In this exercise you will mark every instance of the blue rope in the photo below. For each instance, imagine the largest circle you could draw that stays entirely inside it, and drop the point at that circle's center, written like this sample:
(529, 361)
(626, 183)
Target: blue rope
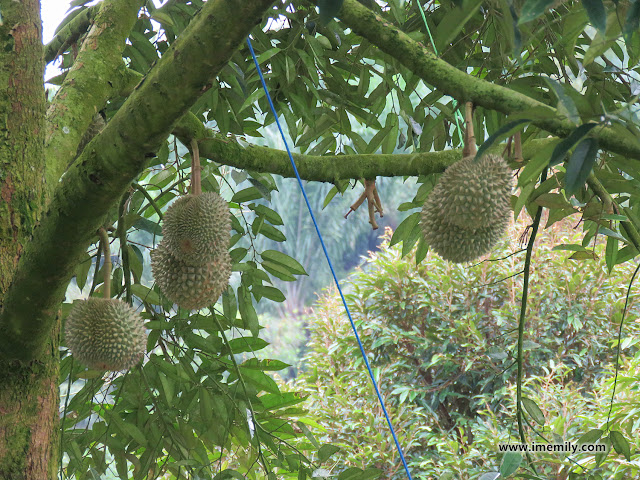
(326, 254)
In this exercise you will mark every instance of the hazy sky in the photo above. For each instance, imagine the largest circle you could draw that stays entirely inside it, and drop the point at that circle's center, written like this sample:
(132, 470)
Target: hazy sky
(53, 11)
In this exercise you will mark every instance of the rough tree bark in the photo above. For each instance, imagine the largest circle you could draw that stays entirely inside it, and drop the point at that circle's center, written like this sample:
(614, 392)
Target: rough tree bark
(28, 392)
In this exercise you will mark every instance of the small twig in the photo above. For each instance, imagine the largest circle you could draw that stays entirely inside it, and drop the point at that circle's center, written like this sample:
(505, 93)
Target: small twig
(370, 194)
(106, 249)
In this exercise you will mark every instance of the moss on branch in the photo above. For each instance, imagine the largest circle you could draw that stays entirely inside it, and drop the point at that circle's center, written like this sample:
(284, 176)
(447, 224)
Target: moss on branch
(228, 151)
(110, 162)
(70, 33)
(461, 86)
(85, 89)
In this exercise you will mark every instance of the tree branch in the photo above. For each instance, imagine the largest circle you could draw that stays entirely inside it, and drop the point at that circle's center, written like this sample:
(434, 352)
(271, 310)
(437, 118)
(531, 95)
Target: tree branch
(70, 33)
(227, 151)
(110, 162)
(461, 86)
(85, 89)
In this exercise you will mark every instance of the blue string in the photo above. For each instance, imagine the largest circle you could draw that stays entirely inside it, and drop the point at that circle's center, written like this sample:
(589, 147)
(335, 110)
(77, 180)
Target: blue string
(326, 254)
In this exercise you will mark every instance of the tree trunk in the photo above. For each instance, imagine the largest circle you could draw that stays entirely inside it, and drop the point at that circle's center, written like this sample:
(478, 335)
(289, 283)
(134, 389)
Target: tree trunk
(28, 392)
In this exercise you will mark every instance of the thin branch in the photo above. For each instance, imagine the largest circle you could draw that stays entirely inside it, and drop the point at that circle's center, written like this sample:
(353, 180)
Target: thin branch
(106, 250)
(462, 86)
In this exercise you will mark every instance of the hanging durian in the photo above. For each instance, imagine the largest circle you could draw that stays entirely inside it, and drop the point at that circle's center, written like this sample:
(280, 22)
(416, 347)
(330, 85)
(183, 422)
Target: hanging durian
(474, 194)
(468, 210)
(192, 265)
(105, 333)
(197, 227)
(190, 286)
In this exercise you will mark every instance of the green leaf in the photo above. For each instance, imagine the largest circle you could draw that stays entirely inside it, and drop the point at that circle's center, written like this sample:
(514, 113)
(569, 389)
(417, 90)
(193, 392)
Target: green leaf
(536, 165)
(265, 365)
(328, 9)
(245, 344)
(510, 463)
(285, 399)
(82, 270)
(405, 228)
(285, 260)
(453, 22)
(580, 165)
(145, 294)
(260, 380)
(565, 145)
(592, 436)
(229, 304)
(610, 233)
(533, 410)
(632, 21)
(271, 293)
(247, 311)
(611, 253)
(532, 9)
(566, 105)
(597, 13)
(504, 131)
(490, 476)
(620, 444)
(326, 451)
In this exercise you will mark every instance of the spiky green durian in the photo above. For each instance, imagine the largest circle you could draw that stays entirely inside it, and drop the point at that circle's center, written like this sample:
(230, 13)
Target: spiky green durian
(190, 286)
(474, 194)
(460, 244)
(197, 227)
(105, 334)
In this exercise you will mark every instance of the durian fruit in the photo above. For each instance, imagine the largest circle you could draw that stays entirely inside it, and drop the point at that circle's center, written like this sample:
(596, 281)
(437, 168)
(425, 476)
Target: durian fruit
(474, 194)
(197, 227)
(105, 334)
(190, 286)
(458, 244)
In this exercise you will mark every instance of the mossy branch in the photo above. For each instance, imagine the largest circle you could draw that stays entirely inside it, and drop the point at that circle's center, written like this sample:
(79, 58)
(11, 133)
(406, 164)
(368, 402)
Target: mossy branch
(228, 151)
(110, 162)
(461, 86)
(70, 33)
(83, 92)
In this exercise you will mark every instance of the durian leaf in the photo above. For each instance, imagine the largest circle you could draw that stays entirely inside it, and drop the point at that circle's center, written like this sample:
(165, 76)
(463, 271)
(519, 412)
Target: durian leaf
(247, 311)
(510, 463)
(285, 399)
(261, 380)
(597, 14)
(245, 344)
(405, 228)
(247, 195)
(620, 444)
(82, 270)
(277, 270)
(504, 131)
(421, 250)
(266, 365)
(285, 260)
(271, 293)
(145, 294)
(611, 253)
(229, 304)
(271, 232)
(536, 165)
(565, 145)
(580, 165)
(332, 193)
(532, 409)
(532, 9)
(270, 215)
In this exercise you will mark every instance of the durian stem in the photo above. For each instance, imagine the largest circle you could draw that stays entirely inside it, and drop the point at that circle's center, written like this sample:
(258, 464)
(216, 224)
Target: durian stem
(106, 250)
(517, 149)
(196, 182)
(469, 135)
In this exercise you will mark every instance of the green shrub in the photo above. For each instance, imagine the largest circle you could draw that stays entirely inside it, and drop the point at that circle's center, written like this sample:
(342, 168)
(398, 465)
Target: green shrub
(441, 339)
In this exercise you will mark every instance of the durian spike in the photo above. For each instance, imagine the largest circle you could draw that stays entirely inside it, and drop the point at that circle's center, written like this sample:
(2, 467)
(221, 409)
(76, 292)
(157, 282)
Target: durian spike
(106, 251)
(196, 182)
(469, 136)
